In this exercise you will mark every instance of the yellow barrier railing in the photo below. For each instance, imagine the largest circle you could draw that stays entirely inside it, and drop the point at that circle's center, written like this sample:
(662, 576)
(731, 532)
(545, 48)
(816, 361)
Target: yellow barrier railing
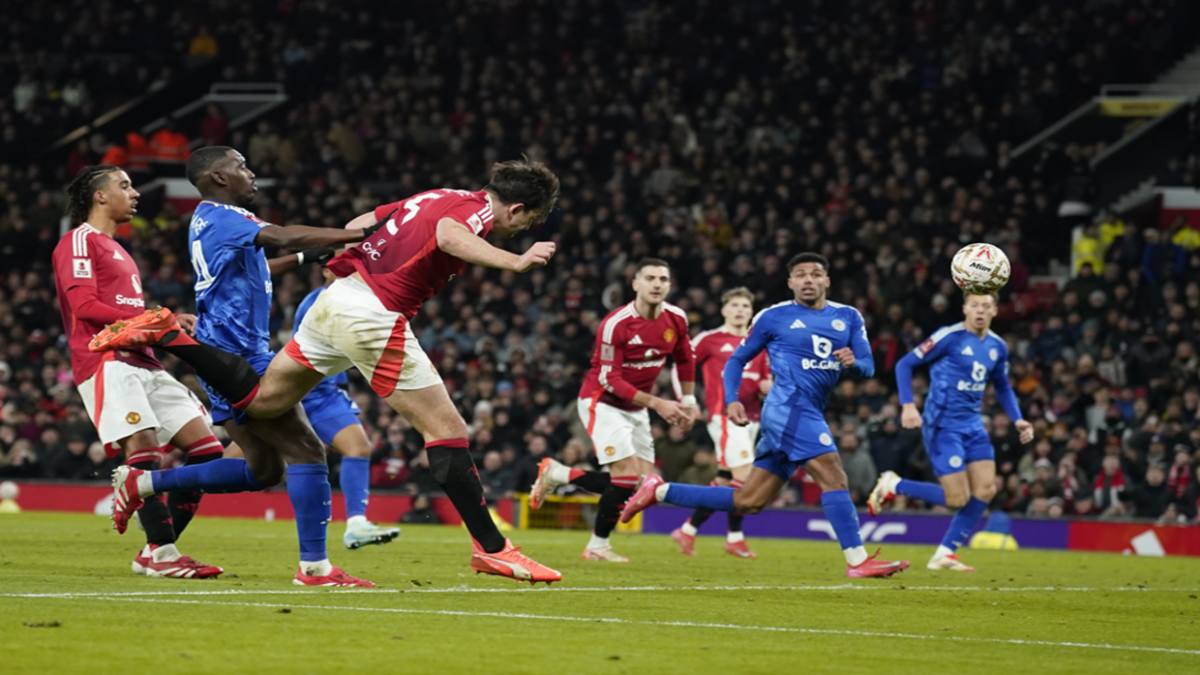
(566, 513)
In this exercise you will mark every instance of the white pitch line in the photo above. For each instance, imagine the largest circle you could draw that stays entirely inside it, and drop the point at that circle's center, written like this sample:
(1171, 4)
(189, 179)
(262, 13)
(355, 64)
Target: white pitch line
(680, 624)
(601, 589)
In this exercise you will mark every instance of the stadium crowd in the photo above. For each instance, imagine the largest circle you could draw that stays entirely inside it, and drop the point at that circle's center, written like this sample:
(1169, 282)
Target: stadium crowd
(721, 138)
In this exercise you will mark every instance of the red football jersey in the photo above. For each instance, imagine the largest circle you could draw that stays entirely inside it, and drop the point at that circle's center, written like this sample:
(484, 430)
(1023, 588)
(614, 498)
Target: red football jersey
(402, 262)
(631, 351)
(713, 349)
(97, 283)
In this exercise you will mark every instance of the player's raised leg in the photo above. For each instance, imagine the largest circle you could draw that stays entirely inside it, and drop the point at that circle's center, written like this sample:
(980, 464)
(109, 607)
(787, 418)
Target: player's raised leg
(735, 452)
(184, 504)
(735, 539)
(553, 474)
(760, 488)
(269, 395)
(685, 534)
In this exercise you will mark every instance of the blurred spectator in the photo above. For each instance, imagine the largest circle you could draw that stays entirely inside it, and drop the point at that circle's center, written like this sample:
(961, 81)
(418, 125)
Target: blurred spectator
(20, 461)
(214, 130)
(203, 44)
(497, 479)
(421, 512)
(1109, 488)
(703, 469)
(526, 467)
(675, 452)
(860, 468)
(1151, 498)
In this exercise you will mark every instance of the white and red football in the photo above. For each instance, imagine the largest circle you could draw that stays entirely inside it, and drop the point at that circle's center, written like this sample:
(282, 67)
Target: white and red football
(980, 269)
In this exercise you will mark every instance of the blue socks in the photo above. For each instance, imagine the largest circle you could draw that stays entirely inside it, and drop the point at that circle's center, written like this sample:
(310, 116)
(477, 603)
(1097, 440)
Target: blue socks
(930, 493)
(963, 522)
(355, 479)
(699, 497)
(217, 476)
(839, 509)
(308, 488)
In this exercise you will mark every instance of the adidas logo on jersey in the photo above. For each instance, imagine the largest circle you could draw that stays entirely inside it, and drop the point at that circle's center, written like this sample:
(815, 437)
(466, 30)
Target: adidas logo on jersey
(967, 351)
(727, 348)
(117, 255)
(798, 324)
(637, 340)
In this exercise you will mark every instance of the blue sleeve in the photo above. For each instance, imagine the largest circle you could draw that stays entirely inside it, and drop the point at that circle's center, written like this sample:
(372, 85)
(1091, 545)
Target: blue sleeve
(751, 347)
(927, 352)
(1004, 390)
(864, 360)
(904, 370)
(239, 231)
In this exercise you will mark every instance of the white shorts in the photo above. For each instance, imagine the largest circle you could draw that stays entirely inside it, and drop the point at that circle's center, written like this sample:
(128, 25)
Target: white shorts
(734, 444)
(122, 400)
(348, 327)
(617, 433)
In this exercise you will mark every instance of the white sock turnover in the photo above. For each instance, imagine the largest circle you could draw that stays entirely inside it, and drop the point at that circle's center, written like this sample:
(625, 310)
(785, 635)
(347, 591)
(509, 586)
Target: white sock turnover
(855, 556)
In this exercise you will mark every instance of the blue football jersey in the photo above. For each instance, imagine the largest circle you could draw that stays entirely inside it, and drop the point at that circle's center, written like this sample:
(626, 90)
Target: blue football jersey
(961, 365)
(233, 282)
(800, 343)
(305, 305)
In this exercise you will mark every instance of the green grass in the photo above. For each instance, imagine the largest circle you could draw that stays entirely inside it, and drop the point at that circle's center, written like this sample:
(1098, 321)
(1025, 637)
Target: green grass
(791, 610)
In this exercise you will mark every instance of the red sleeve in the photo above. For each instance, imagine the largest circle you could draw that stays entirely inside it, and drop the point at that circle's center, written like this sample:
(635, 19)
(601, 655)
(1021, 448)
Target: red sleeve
(468, 211)
(612, 358)
(700, 353)
(685, 360)
(87, 306)
(77, 274)
(381, 211)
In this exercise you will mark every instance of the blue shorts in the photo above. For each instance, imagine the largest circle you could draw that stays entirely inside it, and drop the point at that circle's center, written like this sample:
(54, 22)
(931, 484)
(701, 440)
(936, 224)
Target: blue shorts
(951, 449)
(329, 410)
(791, 436)
(221, 409)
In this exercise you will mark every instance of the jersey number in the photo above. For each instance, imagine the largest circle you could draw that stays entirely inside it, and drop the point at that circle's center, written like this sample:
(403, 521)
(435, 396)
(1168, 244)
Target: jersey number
(204, 278)
(412, 206)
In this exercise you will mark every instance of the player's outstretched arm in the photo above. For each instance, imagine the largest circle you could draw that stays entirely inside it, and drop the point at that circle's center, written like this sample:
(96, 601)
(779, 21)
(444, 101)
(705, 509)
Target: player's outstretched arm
(458, 240)
(287, 263)
(301, 237)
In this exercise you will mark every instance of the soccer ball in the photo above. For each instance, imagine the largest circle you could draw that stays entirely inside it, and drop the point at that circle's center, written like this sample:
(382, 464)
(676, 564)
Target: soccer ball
(980, 269)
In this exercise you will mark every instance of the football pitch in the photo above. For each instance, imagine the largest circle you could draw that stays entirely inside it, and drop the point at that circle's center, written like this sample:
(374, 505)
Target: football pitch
(69, 604)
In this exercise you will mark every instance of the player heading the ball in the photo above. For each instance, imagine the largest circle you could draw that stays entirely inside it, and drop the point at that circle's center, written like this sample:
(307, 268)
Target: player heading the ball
(411, 250)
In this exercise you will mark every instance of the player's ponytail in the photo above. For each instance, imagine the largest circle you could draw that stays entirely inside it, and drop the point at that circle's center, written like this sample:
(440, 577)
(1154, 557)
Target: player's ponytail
(79, 192)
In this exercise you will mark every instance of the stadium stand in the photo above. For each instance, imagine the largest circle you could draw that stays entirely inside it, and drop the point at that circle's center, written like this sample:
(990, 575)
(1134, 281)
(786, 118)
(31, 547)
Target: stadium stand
(723, 138)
